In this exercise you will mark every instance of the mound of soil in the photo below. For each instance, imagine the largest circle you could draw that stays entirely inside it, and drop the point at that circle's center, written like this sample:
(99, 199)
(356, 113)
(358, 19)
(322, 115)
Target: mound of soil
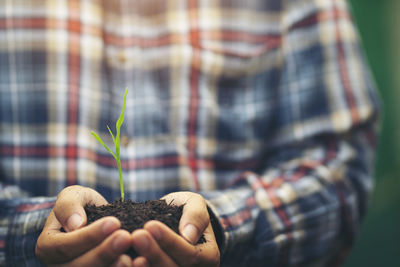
(133, 215)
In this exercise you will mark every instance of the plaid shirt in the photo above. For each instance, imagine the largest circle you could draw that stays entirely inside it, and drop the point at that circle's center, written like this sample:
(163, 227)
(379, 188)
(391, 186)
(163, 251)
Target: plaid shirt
(265, 107)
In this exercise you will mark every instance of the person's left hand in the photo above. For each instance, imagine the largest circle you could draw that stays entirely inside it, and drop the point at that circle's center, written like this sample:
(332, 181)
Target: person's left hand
(160, 246)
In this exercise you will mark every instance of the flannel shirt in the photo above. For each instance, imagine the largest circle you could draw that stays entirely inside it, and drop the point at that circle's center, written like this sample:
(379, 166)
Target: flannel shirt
(267, 108)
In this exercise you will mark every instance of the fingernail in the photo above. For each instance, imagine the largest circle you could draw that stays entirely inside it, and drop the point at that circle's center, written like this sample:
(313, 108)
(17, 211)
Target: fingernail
(74, 222)
(120, 243)
(109, 226)
(191, 233)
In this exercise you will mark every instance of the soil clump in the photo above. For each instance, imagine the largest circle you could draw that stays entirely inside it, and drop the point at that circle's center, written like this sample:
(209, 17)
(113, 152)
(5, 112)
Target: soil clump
(133, 215)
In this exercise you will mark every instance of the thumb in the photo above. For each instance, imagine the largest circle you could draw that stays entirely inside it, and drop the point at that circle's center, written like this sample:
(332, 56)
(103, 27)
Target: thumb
(195, 217)
(69, 207)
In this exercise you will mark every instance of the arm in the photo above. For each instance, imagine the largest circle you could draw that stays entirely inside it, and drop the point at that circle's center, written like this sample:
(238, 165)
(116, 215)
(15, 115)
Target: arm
(26, 223)
(308, 206)
(21, 221)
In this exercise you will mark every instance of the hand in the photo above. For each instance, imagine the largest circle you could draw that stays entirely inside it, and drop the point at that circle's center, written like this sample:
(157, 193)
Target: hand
(99, 244)
(158, 245)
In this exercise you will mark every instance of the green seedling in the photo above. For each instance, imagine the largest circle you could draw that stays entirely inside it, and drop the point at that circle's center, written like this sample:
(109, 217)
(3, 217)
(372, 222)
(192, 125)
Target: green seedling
(116, 141)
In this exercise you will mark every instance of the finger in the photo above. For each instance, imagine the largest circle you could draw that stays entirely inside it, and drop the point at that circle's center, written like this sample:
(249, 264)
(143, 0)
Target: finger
(107, 253)
(54, 246)
(195, 217)
(140, 261)
(69, 207)
(123, 261)
(180, 250)
(145, 245)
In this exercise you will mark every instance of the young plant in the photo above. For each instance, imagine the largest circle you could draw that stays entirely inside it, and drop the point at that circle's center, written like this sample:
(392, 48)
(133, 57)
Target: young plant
(116, 141)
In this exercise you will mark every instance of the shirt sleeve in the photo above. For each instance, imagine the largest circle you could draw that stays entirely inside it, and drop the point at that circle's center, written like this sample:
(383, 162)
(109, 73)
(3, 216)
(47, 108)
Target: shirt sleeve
(304, 205)
(21, 221)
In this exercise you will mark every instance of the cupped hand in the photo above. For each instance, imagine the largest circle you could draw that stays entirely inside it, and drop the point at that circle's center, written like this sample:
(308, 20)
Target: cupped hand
(158, 245)
(101, 243)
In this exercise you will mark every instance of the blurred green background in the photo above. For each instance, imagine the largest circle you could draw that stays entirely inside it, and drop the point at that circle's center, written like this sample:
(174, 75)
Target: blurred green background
(379, 25)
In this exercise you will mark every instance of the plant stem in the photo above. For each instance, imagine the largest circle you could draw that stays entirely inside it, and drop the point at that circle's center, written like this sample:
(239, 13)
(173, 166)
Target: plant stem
(121, 181)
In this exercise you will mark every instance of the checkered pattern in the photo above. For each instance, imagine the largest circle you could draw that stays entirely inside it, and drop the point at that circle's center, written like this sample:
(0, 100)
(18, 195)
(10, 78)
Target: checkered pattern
(265, 107)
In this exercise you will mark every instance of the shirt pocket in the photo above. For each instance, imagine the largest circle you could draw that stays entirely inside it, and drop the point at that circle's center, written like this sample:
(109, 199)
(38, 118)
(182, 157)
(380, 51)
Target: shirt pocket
(239, 53)
(246, 83)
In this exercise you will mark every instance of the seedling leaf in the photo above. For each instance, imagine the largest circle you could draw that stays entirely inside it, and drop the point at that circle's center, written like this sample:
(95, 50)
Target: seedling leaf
(111, 134)
(102, 143)
(118, 125)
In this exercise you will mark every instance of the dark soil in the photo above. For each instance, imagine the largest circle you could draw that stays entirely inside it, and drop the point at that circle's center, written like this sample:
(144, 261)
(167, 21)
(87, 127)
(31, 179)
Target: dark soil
(133, 215)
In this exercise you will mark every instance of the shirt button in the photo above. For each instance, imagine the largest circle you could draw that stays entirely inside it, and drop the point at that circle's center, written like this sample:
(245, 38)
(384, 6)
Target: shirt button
(125, 140)
(122, 57)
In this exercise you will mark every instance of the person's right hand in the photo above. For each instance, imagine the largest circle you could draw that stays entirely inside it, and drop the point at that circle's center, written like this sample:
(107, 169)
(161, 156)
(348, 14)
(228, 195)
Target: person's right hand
(102, 243)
